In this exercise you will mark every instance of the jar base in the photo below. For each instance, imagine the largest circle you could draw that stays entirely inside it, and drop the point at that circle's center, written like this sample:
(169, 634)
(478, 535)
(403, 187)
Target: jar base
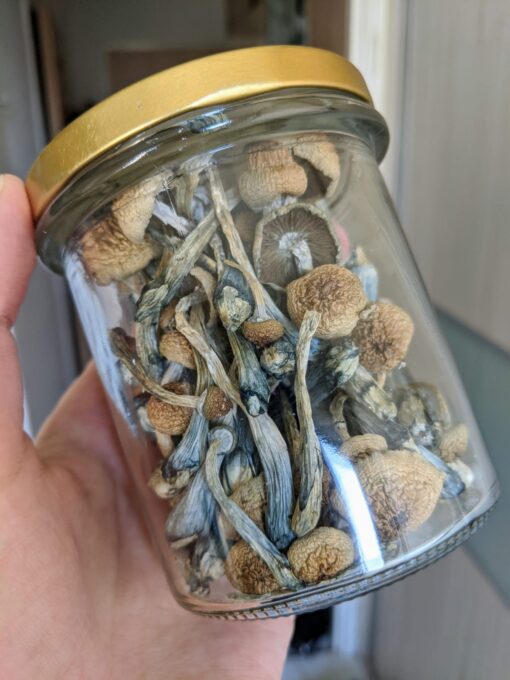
(332, 593)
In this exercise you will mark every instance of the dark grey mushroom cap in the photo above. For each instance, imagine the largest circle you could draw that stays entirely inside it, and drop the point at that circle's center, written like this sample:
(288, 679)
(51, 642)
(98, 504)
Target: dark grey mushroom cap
(291, 241)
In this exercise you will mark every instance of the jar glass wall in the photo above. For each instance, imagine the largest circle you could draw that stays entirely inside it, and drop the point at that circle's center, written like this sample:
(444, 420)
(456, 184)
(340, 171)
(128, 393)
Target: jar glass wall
(289, 411)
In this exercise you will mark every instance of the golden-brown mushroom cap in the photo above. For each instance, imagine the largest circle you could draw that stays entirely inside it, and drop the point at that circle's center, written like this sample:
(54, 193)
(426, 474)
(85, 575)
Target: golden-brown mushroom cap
(334, 292)
(321, 554)
(247, 572)
(383, 335)
(454, 442)
(321, 154)
(263, 333)
(216, 404)
(271, 172)
(175, 347)
(132, 209)
(251, 497)
(167, 418)
(363, 444)
(402, 489)
(292, 240)
(109, 256)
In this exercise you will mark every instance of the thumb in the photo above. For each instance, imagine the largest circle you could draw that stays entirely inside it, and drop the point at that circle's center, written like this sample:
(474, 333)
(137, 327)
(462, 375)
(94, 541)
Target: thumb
(17, 259)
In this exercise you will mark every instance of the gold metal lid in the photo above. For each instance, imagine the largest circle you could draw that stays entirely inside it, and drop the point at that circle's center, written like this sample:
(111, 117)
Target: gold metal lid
(213, 80)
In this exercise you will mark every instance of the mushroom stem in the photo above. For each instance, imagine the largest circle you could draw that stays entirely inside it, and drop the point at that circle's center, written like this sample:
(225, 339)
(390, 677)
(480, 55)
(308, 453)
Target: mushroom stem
(174, 243)
(193, 514)
(268, 440)
(188, 454)
(308, 507)
(302, 257)
(159, 293)
(290, 427)
(252, 381)
(147, 347)
(123, 349)
(336, 409)
(362, 387)
(244, 526)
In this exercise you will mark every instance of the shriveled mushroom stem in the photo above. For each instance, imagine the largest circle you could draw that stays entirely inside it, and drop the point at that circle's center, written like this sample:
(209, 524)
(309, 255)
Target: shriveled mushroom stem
(123, 349)
(193, 514)
(174, 243)
(290, 427)
(302, 257)
(270, 444)
(336, 408)
(362, 387)
(308, 507)
(252, 380)
(189, 452)
(244, 526)
(156, 296)
(146, 338)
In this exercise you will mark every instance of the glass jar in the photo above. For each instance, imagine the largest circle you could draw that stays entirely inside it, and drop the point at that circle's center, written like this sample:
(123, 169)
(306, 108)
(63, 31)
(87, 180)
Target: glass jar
(288, 409)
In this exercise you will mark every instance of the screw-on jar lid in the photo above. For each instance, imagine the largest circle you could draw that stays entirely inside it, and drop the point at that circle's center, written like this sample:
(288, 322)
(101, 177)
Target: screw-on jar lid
(209, 81)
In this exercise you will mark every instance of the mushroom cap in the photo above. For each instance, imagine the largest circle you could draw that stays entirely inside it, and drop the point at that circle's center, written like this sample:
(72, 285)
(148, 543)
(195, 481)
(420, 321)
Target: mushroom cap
(247, 572)
(109, 256)
(251, 497)
(175, 347)
(216, 404)
(321, 154)
(454, 442)
(132, 209)
(321, 554)
(271, 172)
(262, 333)
(383, 335)
(362, 444)
(402, 489)
(334, 292)
(291, 240)
(167, 418)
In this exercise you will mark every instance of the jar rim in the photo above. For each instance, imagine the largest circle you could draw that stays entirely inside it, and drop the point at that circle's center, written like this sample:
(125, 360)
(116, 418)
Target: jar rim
(209, 81)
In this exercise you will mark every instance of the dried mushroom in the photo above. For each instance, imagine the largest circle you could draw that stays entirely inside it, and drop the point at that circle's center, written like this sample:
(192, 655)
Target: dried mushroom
(133, 208)
(383, 335)
(363, 444)
(262, 333)
(454, 442)
(321, 155)
(109, 256)
(291, 241)
(251, 497)
(334, 292)
(233, 299)
(174, 347)
(216, 404)
(402, 490)
(279, 359)
(271, 172)
(166, 417)
(321, 554)
(247, 572)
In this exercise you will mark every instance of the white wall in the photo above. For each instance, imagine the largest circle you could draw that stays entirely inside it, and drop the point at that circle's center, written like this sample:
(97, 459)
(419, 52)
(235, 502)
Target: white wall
(454, 191)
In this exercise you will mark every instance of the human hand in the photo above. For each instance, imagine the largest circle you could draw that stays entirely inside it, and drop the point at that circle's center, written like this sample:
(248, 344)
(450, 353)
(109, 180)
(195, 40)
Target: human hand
(82, 592)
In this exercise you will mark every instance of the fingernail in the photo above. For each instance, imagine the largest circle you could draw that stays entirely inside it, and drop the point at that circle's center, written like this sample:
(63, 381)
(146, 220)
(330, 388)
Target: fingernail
(2, 182)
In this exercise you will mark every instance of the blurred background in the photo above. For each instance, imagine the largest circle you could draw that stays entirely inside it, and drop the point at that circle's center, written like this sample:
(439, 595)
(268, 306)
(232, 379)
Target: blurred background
(438, 71)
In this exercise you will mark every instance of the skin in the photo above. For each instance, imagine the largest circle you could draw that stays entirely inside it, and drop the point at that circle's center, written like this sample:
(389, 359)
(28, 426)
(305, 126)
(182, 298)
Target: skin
(82, 593)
